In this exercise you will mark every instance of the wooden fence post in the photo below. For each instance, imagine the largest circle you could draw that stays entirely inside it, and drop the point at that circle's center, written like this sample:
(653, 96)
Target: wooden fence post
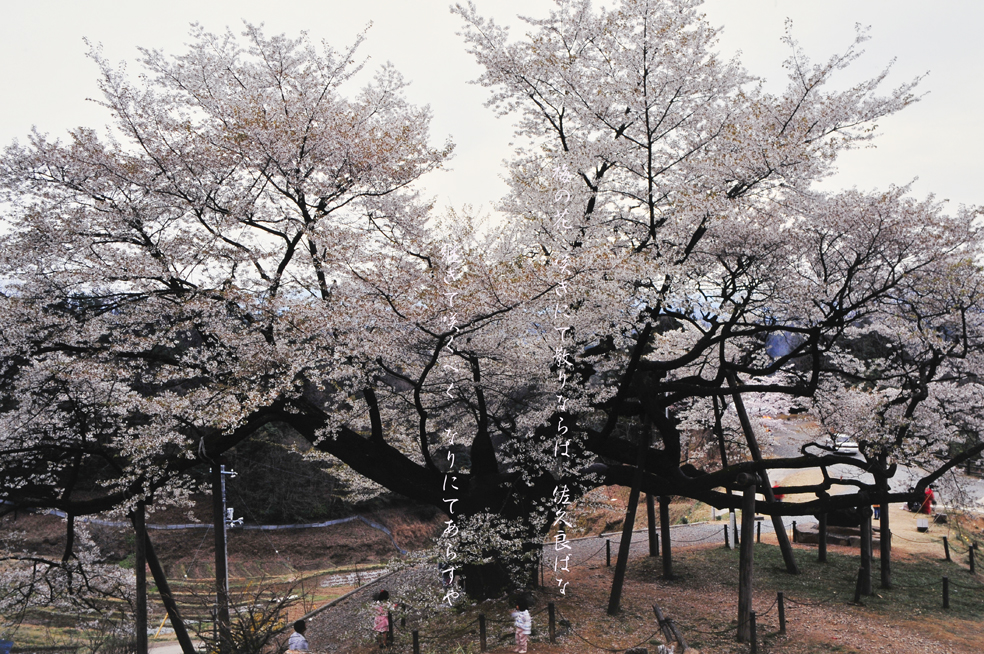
(946, 548)
(781, 604)
(946, 592)
(482, 642)
(751, 628)
(608, 552)
(551, 622)
(416, 642)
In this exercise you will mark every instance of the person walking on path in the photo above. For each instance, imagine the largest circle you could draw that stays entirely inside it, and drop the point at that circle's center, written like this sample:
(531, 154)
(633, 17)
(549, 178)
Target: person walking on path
(523, 624)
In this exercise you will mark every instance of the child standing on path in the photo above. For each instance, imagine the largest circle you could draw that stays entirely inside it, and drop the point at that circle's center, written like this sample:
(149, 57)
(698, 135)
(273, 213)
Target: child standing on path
(381, 624)
(523, 624)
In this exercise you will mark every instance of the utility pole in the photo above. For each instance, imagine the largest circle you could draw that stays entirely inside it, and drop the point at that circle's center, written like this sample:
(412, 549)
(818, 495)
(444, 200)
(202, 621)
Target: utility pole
(885, 527)
(221, 520)
(719, 432)
(140, 567)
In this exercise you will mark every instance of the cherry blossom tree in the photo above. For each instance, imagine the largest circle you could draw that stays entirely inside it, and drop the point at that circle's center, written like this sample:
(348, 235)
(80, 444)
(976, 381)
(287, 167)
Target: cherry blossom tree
(701, 184)
(247, 246)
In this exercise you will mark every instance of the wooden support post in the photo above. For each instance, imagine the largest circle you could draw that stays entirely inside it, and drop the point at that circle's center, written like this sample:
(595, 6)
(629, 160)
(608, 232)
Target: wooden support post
(946, 592)
(167, 597)
(482, 641)
(663, 624)
(822, 541)
(552, 622)
(781, 605)
(140, 567)
(746, 426)
(677, 635)
(858, 586)
(946, 548)
(615, 600)
(664, 528)
(866, 547)
(746, 557)
(651, 525)
(752, 637)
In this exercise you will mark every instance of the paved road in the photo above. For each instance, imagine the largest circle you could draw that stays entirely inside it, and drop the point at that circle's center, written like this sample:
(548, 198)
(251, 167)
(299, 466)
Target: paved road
(592, 548)
(165, 648)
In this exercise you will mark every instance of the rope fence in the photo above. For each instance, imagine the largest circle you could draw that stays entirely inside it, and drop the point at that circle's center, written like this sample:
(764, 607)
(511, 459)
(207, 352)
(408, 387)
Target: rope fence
(573, 631)
(961, 550)
(896, 534)
(480, 626)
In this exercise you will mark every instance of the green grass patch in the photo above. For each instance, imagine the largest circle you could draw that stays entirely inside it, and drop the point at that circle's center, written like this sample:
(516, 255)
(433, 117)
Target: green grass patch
(917, 585)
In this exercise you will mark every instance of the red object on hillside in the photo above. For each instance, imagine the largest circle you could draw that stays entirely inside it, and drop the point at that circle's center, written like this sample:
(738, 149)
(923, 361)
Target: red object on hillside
(777, 495)
(928, 501)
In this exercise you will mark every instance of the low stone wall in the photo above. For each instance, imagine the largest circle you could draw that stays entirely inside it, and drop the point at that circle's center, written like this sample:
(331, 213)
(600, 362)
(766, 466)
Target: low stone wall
(352, 578)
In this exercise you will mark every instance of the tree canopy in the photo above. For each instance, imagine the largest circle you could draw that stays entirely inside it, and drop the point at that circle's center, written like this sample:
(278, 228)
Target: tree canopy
(249, 245)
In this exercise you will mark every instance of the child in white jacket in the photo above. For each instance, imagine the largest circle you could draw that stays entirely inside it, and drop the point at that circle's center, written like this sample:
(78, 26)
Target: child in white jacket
(523, 624)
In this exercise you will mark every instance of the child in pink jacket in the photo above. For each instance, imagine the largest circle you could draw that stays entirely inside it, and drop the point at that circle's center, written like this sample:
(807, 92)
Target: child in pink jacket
(381, 623)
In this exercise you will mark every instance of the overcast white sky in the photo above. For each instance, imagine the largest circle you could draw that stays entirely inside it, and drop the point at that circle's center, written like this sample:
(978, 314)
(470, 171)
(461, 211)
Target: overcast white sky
(46, 77)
